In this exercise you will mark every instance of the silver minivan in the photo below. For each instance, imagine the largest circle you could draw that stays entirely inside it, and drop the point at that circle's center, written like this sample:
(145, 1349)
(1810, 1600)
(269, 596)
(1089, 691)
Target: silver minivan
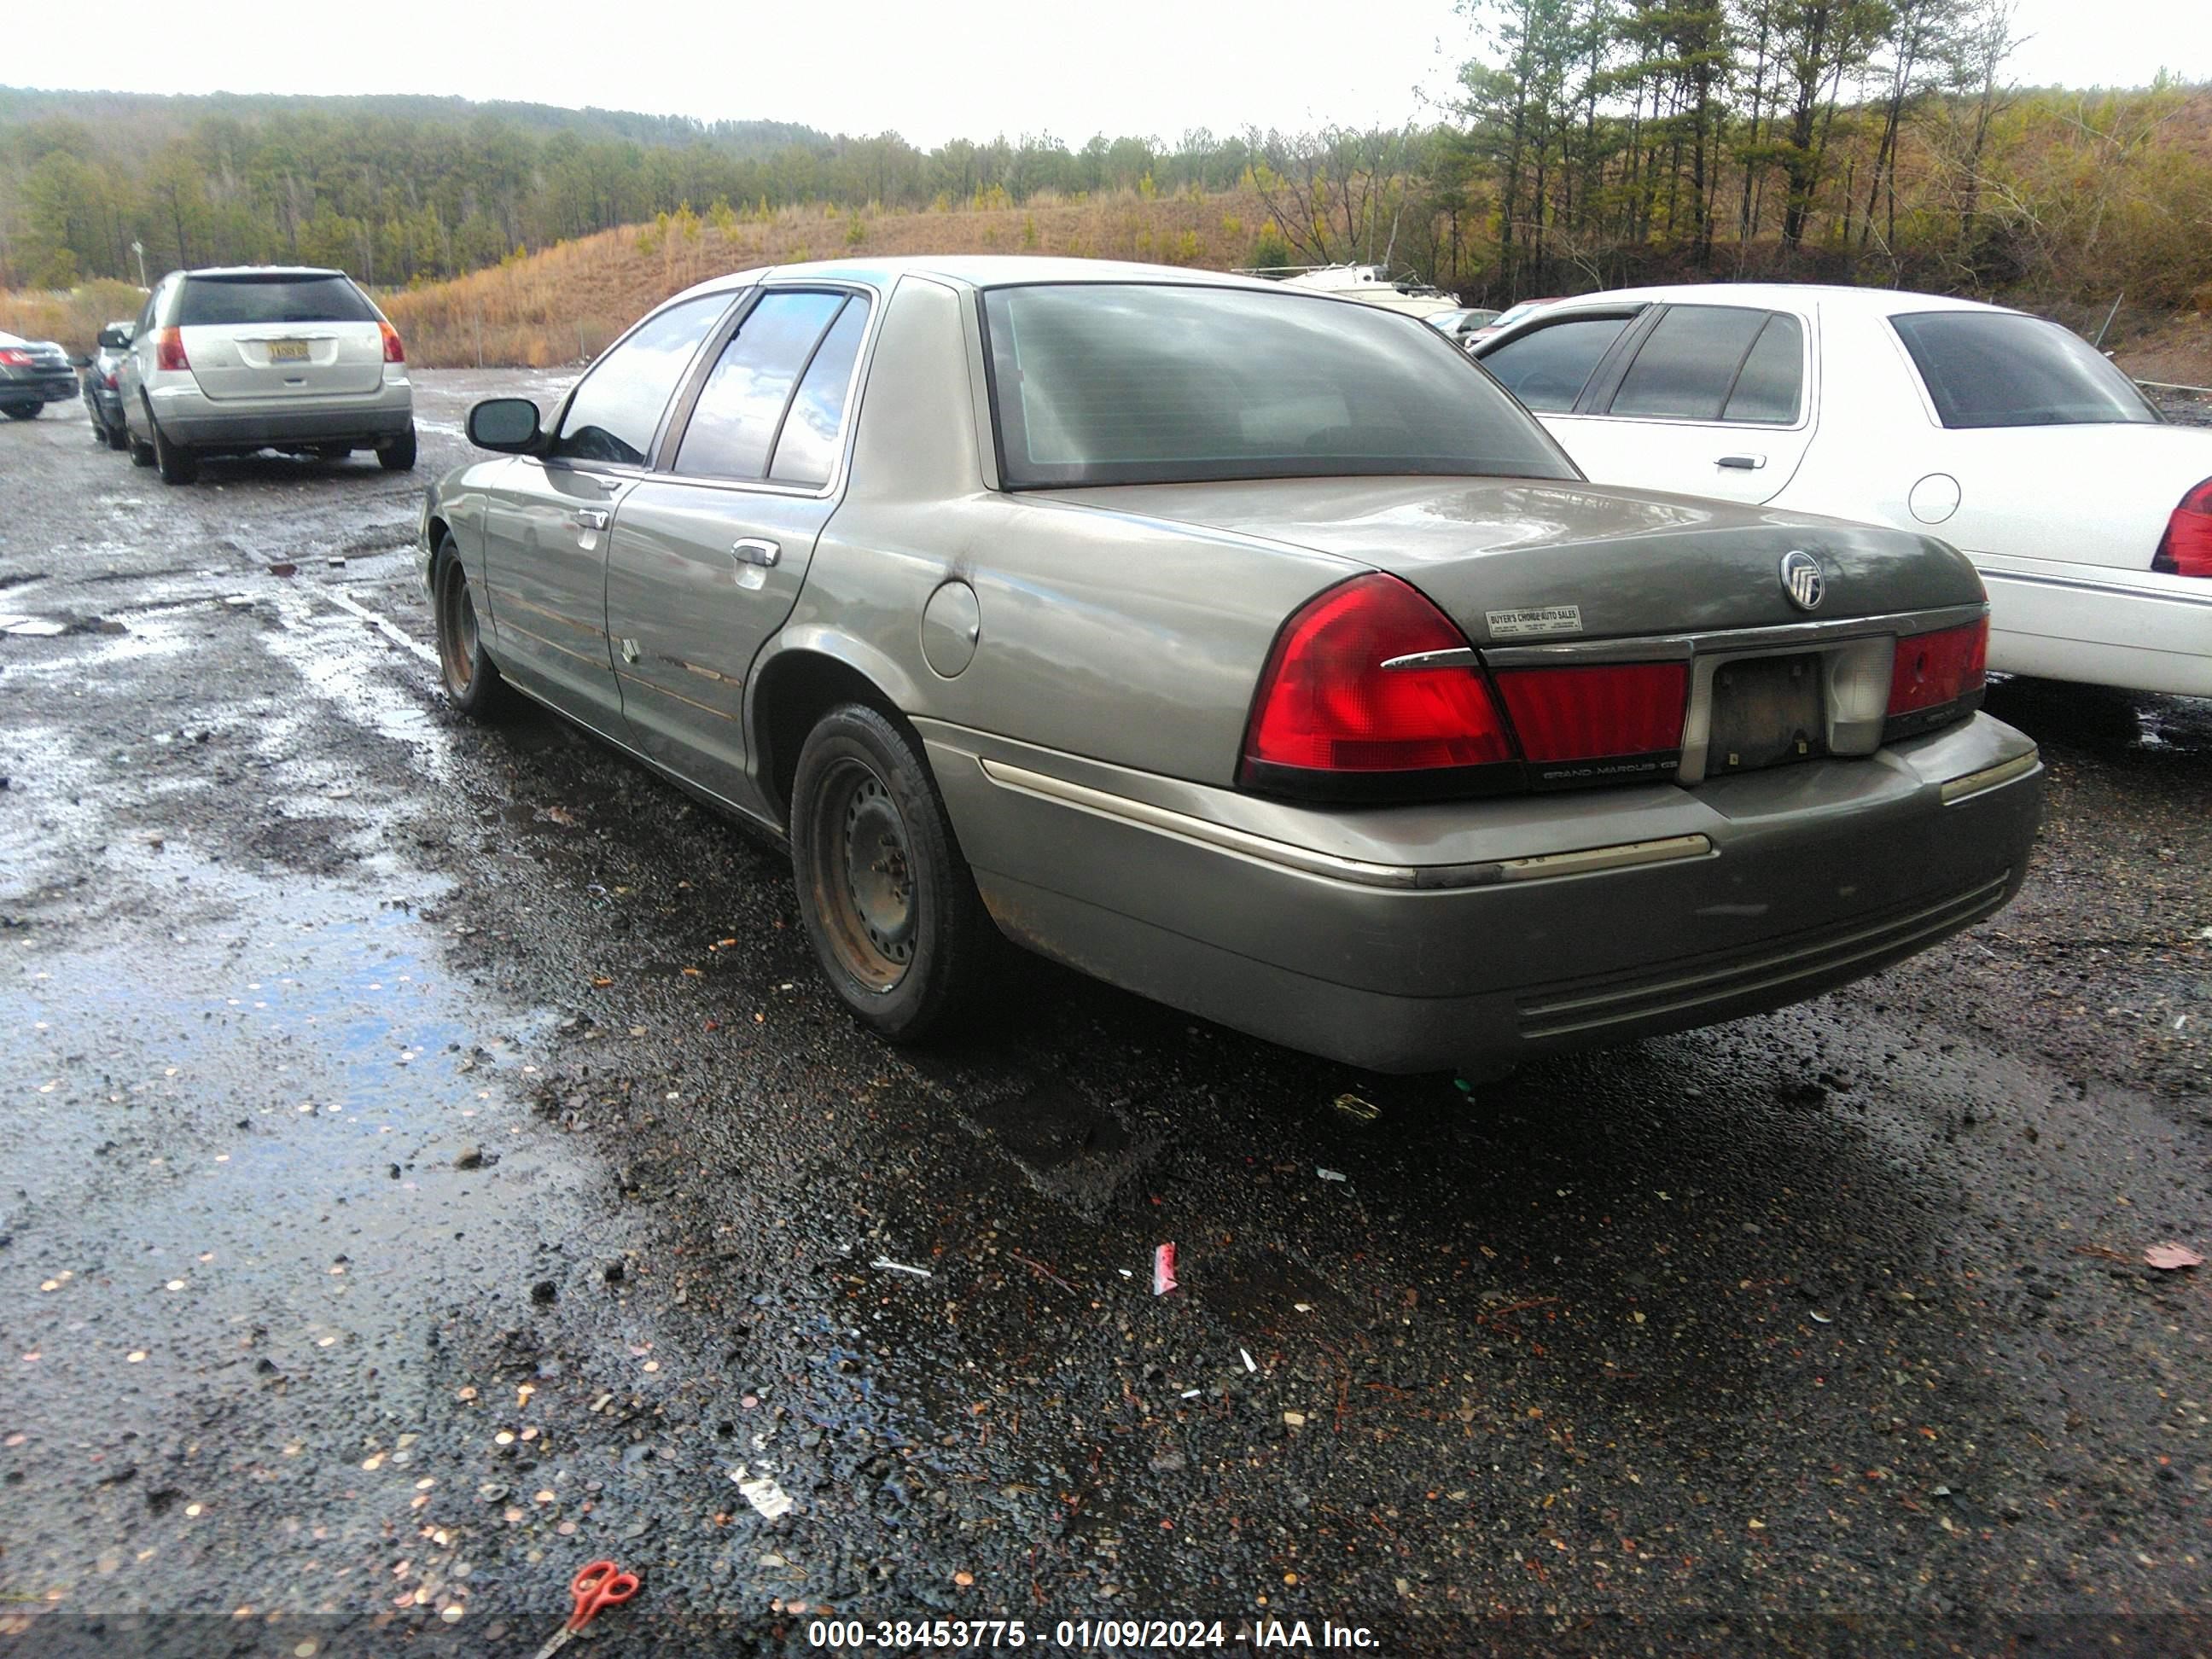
(246, 357)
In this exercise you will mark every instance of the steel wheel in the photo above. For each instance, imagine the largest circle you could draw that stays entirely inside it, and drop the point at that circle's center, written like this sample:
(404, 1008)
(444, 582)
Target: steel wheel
(473, 684)
(889, 904)
(865, 875)
(457, 629)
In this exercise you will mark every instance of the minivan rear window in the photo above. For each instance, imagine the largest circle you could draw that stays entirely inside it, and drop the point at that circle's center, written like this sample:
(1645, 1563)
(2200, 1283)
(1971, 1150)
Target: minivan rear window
(2002, 368)
(214, 302)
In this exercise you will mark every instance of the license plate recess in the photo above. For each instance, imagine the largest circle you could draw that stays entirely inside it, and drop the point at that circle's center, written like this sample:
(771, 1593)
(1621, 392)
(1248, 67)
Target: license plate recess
(1767, 711)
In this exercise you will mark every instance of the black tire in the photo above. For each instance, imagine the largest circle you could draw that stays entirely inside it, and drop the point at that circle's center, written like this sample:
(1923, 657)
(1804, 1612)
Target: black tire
(399, 456)
(22, 411)
(902, 937)
(142, 453)
(177, 464)
(118, 437)
(471, 679)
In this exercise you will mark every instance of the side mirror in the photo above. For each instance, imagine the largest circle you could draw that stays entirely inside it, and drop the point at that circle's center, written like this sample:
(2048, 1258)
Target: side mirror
(506, 424)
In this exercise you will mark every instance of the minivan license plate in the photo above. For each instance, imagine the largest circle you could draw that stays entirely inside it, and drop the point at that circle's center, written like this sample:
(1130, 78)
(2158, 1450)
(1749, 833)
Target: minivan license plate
(287, 351)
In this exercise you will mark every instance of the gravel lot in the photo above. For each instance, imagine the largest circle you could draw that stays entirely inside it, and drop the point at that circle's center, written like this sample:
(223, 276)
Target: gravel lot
(432, 1164)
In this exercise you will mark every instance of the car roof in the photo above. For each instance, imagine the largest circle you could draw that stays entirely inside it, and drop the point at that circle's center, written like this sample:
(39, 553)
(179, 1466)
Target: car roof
(985, 270)
(1876, 302)
(264, 271)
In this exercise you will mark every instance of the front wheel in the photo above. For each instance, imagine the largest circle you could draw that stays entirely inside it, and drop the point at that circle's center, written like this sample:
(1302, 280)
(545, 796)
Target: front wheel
(888, 900)
(22, 411)
(471, 679)
(399, 456)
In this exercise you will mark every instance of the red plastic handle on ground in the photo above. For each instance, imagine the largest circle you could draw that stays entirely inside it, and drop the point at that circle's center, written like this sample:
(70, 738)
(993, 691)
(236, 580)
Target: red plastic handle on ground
(599, 1584)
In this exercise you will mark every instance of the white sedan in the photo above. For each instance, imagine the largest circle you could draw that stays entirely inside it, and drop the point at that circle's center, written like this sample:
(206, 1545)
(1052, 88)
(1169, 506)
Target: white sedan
(2089, 516)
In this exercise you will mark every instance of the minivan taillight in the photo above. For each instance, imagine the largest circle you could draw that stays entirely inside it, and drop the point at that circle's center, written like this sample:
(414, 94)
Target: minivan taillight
(2187, 548)
(1932, 674)
(169, 350)
(1331, 721)
(393, 351)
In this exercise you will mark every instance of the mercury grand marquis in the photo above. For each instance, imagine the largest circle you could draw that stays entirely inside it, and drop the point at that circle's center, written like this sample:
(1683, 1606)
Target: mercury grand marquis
(1248, 648)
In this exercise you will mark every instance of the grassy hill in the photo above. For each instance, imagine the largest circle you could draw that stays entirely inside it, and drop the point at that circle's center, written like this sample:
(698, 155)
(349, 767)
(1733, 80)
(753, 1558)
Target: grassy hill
(570, 300)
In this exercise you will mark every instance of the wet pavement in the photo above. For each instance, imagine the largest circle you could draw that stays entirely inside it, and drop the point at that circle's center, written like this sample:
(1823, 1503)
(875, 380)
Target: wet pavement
(432, 1164)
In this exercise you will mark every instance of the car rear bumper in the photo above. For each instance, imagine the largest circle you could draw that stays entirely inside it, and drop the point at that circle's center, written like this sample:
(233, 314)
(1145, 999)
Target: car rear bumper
(28, 387)
(1657, 909)
(188, 416)
(2101, 626)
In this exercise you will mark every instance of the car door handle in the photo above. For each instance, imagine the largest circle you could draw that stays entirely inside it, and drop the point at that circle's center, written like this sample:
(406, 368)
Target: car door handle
(1742, 463)
(594, 518)
(753, 550)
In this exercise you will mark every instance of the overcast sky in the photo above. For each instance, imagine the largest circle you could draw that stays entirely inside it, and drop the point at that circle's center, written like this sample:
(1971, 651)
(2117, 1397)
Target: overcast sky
(932, 72)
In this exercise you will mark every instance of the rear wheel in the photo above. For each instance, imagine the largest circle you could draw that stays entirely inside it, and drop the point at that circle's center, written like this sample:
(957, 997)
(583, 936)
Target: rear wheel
(178, 464)
(888, 900)
(117, 437)
(22, 411)
(399, 456)
(472, 679)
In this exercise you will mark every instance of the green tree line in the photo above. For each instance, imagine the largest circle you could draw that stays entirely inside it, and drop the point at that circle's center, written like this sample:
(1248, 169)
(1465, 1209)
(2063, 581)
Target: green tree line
(399, 196)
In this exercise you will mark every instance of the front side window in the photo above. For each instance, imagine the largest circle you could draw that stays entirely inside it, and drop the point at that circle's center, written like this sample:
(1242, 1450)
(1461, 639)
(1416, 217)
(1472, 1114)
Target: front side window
(1107, 383)
(1692, 364)
(734, 426)
(615, 411)
(1548, 367)
(2000, 368)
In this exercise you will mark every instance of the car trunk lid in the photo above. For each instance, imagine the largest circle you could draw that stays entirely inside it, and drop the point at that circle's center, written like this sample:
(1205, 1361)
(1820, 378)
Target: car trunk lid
(1519, 560)
(274, 335)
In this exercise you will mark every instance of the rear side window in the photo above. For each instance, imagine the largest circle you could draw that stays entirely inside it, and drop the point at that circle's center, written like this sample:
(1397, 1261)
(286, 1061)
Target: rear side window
(1690, 366)
(219, 301)
(1999, 368)
(806, 454)
(734, 425)
(1547, 369)
(613, 414)
(1770, 385)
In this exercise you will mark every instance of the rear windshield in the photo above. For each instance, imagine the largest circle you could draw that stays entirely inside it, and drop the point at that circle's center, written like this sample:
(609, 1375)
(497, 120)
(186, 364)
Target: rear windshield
(212, 300)
(1998, 369)
(1098, 383)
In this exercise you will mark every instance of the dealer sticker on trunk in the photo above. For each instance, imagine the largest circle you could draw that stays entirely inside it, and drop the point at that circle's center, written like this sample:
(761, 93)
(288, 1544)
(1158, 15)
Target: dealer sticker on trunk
(1534, 621)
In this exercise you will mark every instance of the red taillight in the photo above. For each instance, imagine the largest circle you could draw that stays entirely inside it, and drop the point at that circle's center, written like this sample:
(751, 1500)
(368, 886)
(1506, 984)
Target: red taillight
(2186, 549)
(1607, 712)
(109, 381)
(1931, 669)
(169, 350)
(1327, 705)
(14, 359)
(393, 351)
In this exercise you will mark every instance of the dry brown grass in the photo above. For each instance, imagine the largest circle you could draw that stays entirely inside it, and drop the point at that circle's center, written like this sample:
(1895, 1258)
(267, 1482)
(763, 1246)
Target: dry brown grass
(569, 301)
(71, 316)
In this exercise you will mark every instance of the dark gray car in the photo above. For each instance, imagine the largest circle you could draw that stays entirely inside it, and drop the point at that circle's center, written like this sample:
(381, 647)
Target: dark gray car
(32, 374)
(1248, 648)
(103, 395)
